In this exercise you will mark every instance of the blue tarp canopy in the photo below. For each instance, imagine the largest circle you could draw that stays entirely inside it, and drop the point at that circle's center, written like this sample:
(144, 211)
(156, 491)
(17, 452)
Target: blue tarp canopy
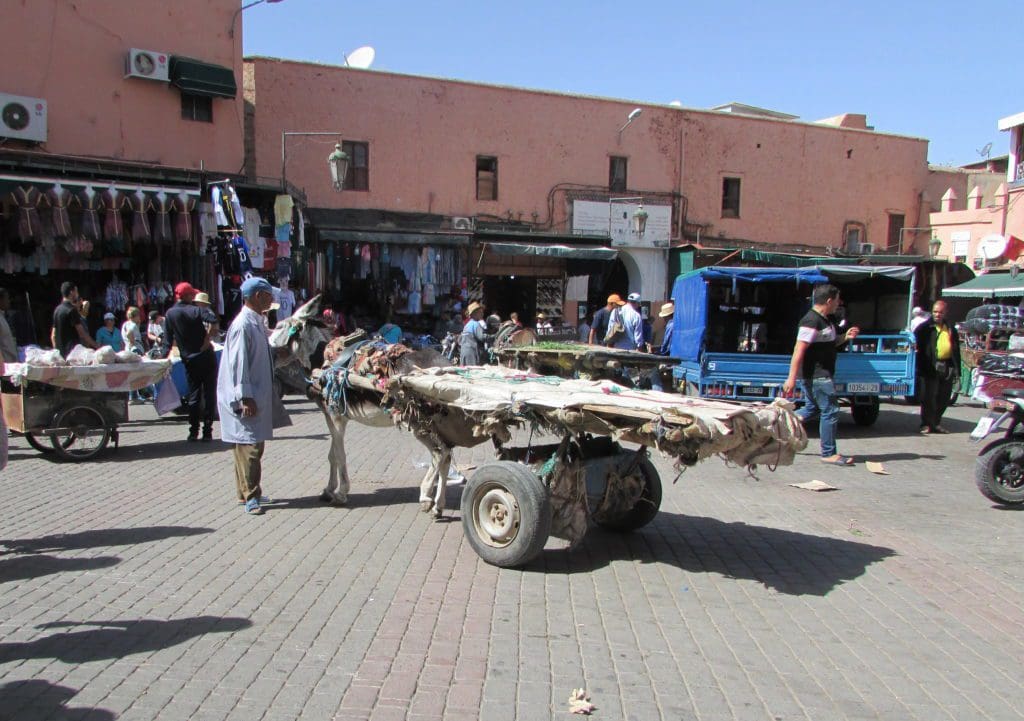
(690, 295)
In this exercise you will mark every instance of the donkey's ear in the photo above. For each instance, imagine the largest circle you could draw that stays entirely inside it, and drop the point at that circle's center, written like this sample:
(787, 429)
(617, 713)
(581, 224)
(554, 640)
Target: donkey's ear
(310, 309)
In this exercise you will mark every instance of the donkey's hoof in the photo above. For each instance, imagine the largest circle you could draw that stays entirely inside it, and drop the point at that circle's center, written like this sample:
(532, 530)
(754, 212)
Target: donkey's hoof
(438, 512)
(339, 502)
(425, 506)
(326, 497)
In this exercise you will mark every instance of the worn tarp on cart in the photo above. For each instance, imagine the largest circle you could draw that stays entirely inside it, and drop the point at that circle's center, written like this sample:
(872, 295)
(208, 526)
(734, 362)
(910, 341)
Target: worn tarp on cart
(468, 405)
(116, 377)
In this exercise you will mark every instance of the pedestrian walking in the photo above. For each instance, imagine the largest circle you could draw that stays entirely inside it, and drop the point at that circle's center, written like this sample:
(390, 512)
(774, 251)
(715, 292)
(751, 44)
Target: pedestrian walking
(245, 391)
(131, 336)
(938, 367)
(599, 326)
(626, 326)
(187, 329)
(814, 361)
(68, 324)
(471, 342)
(109, 334)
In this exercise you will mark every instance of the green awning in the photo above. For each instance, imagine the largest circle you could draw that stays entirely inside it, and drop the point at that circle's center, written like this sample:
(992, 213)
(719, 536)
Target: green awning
(578, 252)
(989, 285)
(199, 78)
(446, 240)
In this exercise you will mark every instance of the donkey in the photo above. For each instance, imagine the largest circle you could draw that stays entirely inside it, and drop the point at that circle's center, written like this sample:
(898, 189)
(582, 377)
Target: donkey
(299, 340)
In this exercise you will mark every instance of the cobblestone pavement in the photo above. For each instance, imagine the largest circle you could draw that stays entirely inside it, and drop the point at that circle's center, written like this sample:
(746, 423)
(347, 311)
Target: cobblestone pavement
(134, 587)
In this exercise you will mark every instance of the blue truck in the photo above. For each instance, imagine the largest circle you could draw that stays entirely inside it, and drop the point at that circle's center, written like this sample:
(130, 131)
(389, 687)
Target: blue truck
(735, 328)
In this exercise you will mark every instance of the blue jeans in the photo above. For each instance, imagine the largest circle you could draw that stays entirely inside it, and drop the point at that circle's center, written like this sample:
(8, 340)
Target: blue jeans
(821, 399)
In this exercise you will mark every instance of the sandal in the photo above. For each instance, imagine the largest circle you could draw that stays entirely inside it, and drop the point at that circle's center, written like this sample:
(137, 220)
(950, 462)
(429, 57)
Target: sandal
(838, 461)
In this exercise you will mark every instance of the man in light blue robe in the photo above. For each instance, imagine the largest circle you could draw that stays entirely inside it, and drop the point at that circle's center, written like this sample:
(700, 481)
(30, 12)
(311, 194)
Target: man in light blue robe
(245, 391)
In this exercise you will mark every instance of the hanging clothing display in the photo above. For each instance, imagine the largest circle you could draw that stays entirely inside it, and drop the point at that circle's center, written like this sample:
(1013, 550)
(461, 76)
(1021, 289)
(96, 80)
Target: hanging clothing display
(283, 205)
(113, 227)
(27, 201)
(184, 205)
(59, 198)
(91, 203)
(162, 204)
(217, 199)
(139, 203)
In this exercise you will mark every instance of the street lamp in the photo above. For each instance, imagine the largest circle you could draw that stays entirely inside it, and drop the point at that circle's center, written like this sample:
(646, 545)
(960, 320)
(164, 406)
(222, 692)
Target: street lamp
(338, 160)
(231, 27)
(934, 245)
(640, 220)
(638, 217)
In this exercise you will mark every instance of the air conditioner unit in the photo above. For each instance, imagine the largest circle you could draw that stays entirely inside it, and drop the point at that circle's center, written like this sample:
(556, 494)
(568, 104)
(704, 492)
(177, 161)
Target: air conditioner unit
(866, 248)
(462, 224)
(22, 118)
(147, 64)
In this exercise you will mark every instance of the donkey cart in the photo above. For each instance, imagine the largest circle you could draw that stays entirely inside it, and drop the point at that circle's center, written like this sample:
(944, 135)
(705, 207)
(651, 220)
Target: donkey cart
(512, 505)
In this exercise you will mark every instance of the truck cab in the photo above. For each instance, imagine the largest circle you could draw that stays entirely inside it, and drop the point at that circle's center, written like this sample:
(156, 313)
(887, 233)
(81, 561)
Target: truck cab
(735, 329)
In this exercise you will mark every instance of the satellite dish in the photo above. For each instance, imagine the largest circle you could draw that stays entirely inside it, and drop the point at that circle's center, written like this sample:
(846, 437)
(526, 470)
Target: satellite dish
(986, 151)
(676, 103)
(992, 246)
(360, 57)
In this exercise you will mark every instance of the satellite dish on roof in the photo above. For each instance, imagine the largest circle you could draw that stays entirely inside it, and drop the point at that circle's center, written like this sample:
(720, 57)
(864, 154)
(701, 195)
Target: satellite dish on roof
(360, 57)
(986, 151)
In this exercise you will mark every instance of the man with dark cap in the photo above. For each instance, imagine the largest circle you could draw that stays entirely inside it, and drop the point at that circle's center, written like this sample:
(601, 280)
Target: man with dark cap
(245, 391)
(186, 327)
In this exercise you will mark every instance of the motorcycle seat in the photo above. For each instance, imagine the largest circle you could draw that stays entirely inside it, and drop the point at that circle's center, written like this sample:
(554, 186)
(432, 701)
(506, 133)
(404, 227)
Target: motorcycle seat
(1014, 393)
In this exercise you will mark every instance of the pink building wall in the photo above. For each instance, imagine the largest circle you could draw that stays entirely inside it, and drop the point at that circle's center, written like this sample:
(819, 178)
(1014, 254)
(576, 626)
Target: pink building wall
(798, 188)
(72, 55)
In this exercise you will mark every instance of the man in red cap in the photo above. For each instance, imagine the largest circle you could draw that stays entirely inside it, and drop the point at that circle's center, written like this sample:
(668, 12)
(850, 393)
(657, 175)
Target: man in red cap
(186, 329)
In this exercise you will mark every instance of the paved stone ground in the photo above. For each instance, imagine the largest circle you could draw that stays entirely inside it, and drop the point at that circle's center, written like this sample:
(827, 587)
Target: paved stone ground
(133, 587)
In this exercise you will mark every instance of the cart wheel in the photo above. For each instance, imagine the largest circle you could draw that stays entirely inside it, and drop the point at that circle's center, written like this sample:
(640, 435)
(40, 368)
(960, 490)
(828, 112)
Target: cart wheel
(33, 440)
(646, 507)
(506, 513)
(87, 437)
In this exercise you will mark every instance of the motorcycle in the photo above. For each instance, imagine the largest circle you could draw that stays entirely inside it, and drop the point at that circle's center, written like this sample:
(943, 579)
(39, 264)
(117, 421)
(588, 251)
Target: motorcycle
(999, 470)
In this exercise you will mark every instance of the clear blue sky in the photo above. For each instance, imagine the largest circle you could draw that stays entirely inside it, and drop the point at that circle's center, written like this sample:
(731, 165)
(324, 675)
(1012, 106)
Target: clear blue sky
(942, 70)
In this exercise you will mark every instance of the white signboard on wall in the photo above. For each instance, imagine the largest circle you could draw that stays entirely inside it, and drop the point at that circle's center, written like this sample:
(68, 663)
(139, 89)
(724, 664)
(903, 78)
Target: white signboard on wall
(616, 220)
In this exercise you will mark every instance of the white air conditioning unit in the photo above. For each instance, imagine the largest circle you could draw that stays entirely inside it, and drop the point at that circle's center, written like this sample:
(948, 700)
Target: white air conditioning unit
(462, 224)
(866, 248)
(22, 118)
(147, 64)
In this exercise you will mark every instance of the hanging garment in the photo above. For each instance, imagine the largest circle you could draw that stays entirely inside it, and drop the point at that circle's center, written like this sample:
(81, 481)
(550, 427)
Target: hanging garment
(140, 203)
(216, 197)
(251, 224)
(27, 200)
(236, 214)
(59, 198)
(92, 204)
(241, 249)
(283, 205)
(184, 204)
(207, 221)
(284, 249)
(283, 232)
(113, 226)
(162, 204)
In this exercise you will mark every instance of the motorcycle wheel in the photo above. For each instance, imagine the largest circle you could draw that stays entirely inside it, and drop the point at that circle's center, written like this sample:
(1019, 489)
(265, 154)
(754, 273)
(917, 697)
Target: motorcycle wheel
(999, 471)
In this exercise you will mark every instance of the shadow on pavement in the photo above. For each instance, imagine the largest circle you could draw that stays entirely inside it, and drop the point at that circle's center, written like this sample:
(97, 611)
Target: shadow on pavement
(99, 537)
(897, 456)
(160, 449)
(22, 568)
(47, 701)
(116, 639)
(789, 562)
(383, 497)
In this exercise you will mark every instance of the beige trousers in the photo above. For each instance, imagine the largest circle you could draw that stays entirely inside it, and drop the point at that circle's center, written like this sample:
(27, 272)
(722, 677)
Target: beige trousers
(248, 470)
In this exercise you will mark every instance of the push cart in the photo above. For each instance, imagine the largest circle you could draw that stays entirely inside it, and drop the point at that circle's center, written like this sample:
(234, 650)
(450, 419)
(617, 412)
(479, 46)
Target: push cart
(73, 411)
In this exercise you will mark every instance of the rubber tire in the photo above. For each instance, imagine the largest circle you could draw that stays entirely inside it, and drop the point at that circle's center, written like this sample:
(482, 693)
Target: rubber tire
(865, 415)
(530, 495)
(65, 445)
(984, 476)
(37, 444)
(646, 508)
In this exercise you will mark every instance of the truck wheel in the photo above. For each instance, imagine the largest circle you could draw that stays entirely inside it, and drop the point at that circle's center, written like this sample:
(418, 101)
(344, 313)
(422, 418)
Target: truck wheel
(506, 513)
(999, 471)
(646, 507)
(864, 414)
(85, 436)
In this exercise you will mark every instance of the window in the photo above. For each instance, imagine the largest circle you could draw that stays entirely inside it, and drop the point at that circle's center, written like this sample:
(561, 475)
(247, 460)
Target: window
(730, 197)
(486, 177)
(358, 175)
(853, 240)
(617, 174)
(197, 107)
(895, 231)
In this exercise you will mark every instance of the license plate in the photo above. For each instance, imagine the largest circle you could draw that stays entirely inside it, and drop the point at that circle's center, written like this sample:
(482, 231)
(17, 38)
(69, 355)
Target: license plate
(862, 387)
(984, 426)
(752, 391)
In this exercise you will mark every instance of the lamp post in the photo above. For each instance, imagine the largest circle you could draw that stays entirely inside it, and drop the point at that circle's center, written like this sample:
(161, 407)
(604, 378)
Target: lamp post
(338, 160)
(231, 27)
(934, 245)
(633, 115)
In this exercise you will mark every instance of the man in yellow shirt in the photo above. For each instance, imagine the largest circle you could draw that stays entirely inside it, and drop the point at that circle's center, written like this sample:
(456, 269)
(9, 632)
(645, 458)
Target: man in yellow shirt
(938, 367)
